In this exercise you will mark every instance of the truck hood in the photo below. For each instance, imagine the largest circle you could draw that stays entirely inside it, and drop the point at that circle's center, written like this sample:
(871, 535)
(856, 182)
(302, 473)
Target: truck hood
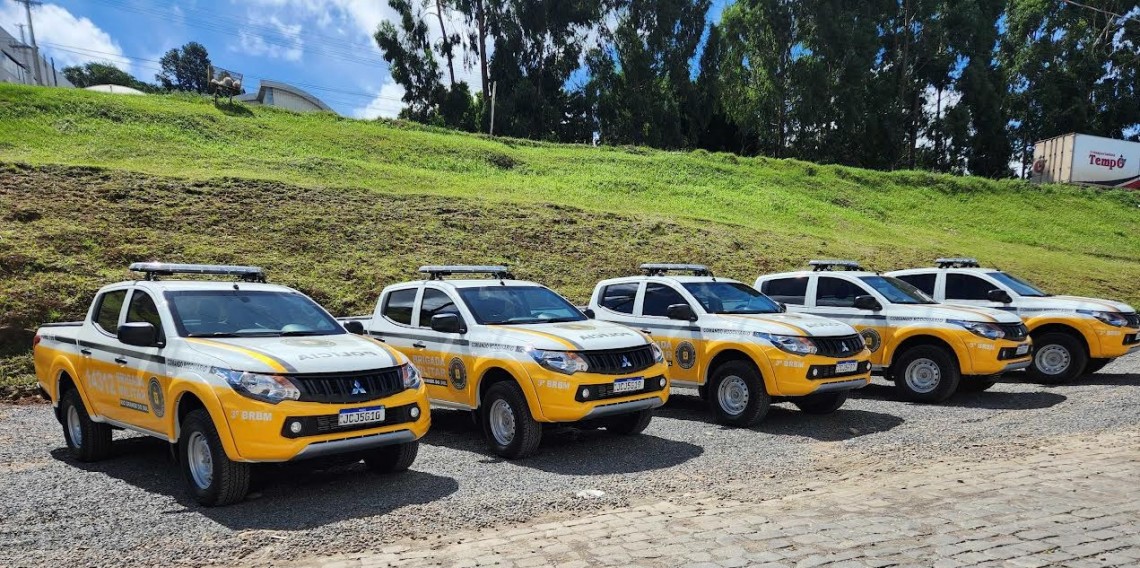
(781, 324)
(316, 354)
(949, 312)
(1070, 304)
(582, 335)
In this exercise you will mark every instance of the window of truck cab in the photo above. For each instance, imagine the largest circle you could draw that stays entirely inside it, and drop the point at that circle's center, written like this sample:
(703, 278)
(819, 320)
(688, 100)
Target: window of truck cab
(787, 290)
(108, 309)
(436, 302)
(399, 305)
(518, 305)
(248, 313)
(619, 297)
(142, 309)
(658, 298)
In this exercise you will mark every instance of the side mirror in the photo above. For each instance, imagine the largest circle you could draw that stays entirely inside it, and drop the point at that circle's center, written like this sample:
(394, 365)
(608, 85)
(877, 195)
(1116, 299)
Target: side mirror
(1000, 296)
(682, 312)
(354, 326)
(447, 323)
(139, 334)
(867, 302)
(783, 307)
(589, 313)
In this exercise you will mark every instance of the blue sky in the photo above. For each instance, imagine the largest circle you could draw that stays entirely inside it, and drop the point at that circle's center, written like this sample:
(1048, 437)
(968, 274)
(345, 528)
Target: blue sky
(323, 46)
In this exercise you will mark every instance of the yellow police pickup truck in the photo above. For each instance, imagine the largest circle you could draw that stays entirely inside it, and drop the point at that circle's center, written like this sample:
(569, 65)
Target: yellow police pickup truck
(928, 349)
(735, 345)
(519, 355)
(1071, 335)
(231, 373)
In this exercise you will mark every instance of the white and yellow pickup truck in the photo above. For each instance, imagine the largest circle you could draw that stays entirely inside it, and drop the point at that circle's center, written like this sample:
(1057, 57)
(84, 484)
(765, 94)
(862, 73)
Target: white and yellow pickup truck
(231, 373)
(735, 345)
(1071, 335)
(518, 354)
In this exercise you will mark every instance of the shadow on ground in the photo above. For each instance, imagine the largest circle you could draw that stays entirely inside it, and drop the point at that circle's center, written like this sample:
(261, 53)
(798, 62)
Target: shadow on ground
(784, 419)
(1102, 378)
(993, 400)
(568, 451)
(282, 497)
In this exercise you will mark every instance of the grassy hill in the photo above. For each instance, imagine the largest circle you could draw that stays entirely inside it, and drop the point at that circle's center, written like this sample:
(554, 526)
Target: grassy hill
(339, 208)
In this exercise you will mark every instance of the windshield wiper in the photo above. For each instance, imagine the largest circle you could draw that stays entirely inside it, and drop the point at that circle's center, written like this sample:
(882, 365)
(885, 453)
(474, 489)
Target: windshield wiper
(214, 334)
(297, 333)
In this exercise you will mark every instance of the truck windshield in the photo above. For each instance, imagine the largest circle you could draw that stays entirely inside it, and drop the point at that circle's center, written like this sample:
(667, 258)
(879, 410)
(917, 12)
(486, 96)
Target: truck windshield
(896, 291)
(731, 298)
(494, 305)
(1018, 285)
(241, 313)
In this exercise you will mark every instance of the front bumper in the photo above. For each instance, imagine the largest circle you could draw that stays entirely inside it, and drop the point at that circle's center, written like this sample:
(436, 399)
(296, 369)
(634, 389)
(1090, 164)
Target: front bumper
(571, 398)
(811, 374)
(1116, 342)
(261, 431)
(996, 357)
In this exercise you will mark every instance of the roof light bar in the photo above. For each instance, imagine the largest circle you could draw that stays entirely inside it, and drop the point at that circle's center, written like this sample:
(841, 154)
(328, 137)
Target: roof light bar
(963, 262)
(439, 272)
(822, 265)
(155, 269)
(659, 269)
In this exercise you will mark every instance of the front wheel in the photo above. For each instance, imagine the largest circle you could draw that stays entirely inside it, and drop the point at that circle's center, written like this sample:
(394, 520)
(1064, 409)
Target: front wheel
(1057, 358)
(510, 429)
(629, 424)
(737, 395)
(88, 440)
(822, 403)
(392, 459)
(213, 478)
(926, 373)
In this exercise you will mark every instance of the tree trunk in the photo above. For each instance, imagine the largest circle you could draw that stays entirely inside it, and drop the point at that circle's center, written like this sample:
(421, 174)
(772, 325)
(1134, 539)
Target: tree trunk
(446, 41)
(481, 19)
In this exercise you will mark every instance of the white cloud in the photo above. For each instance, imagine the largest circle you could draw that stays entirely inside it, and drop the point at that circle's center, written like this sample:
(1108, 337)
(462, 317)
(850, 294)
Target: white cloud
(290, 35)
(387, 104)
(64, 37)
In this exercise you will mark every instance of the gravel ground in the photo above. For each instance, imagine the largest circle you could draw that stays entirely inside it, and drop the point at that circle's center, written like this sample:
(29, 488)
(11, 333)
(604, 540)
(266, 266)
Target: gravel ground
(132, 509)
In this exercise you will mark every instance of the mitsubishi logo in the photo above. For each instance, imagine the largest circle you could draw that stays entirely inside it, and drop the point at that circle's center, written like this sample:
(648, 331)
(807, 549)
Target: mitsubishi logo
(843, 346)
(625, 364)
(357, 389)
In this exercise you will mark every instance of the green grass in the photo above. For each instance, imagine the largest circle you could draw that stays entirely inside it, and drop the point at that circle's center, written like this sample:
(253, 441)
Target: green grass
(340, 208)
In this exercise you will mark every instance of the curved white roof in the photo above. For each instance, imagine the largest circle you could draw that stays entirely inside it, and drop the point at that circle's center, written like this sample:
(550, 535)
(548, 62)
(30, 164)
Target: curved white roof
(116, 89)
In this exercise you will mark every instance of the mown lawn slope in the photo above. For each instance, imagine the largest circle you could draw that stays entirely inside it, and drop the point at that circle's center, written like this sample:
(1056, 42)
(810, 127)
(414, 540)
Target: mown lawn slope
(340, 208)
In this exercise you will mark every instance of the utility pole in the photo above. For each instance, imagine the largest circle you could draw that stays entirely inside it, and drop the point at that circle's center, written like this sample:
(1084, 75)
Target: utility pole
(494, 86)
(32, 35)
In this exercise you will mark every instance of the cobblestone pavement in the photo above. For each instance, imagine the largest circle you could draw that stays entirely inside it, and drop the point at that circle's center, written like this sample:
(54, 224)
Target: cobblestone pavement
(1074, 502)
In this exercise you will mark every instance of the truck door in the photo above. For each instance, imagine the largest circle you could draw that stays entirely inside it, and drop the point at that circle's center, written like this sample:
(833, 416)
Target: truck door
(102, 365)
(446, 357)
(970, 290)
(146, 393)
(682, 342)
(392, 322)
(835, 298)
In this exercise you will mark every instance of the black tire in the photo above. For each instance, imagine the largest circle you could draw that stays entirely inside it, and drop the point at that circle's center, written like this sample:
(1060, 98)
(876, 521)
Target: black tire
(392, 459)
(931, 362)
(1095, 365)
(629, 424)
(228, 481)
(822, 403)
(758, 401)
(976, 384)
(94, 441)
(527, 432)
(1049, 345)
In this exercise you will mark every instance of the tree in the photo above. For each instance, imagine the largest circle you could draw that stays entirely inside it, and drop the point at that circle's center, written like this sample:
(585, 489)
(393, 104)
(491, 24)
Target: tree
(95, 73)
(185, 69)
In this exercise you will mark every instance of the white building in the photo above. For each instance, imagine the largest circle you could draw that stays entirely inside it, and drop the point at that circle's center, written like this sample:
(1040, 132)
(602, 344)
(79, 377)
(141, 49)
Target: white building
(273, 93)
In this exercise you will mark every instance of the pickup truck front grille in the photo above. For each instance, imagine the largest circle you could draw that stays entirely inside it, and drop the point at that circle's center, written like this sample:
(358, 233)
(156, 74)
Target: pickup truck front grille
(842, 346)
(345, 388)
(619, 361)
(1133, 319)
(1014, 331)
(328, 424)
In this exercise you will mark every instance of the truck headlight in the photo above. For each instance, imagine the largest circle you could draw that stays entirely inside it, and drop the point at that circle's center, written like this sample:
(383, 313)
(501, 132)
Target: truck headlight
(794, 344)
(410, 375)
(658, 356)
(981, 329)
(565, 362)
(266, 388)
(1110, 318)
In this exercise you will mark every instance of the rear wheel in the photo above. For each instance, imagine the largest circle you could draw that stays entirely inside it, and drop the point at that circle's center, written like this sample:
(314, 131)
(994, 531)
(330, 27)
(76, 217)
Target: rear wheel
(926, 373)
(1057, 358)
(507, 422)
(88, 440)
(212, 477)
(1095, 365)
(629, 424)
(392, 459)
(976, 384)
(822, 403)
(737, 395)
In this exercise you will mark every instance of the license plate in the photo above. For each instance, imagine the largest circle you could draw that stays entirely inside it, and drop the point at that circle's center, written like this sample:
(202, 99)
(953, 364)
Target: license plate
(354, 416)
(1023, 349)
(629, 385)
(846, 366)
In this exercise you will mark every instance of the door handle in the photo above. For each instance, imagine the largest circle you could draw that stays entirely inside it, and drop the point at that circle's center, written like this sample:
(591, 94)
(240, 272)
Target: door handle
(419, 345)
(85, 352)
(647, 332)
(120, 360)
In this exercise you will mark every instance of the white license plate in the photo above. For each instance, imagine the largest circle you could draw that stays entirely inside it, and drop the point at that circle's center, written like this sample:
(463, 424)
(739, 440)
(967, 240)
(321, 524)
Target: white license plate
(846, 366)
(354, 416)
(629, 385)
(1023, 349)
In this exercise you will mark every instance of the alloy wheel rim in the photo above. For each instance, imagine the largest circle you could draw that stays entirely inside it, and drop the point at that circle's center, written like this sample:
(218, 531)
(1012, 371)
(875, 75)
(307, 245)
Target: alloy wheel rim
(200, 460)
(1053, 359)
(923, 375)
(733, 395)
(502, 422)
(74, 427)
